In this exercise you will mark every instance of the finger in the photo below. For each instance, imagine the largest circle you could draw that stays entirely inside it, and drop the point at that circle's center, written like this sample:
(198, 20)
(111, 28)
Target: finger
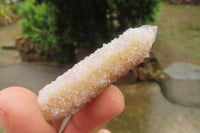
(105, 107)
(20, 112)
(58, 125)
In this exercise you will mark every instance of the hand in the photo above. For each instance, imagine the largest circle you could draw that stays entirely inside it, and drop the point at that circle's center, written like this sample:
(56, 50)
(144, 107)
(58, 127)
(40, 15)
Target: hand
(20, 113)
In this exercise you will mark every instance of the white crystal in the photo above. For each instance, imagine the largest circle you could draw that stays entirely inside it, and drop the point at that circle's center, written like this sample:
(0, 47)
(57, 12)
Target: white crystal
(89, 77)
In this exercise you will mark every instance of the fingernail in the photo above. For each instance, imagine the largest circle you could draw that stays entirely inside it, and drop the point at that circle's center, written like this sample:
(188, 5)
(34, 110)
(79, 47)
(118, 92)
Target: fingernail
(104, 131)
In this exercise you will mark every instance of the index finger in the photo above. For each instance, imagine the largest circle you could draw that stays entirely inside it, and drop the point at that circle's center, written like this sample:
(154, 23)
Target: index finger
(105, 107)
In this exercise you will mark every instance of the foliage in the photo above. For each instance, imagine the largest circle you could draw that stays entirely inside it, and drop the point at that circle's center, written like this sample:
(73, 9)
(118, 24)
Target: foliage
(38, 25)
(131, 13)
(4, 10)
(183, 1)
(79, 24)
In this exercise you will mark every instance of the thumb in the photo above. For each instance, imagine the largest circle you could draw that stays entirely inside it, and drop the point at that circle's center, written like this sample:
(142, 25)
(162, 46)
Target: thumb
(19, 112)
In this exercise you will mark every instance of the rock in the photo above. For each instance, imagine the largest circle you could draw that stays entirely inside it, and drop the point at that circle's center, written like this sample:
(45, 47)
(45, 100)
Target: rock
(129, 78)
(158, 76)
(149, 70)
(28, 51)
(183, 84)
(142, 74)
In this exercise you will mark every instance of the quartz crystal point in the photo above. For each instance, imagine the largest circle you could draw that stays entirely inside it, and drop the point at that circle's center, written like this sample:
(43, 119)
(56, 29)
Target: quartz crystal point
(88, 78)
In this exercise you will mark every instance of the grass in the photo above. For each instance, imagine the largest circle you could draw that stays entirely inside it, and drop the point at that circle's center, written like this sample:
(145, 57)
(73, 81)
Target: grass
(178, 38)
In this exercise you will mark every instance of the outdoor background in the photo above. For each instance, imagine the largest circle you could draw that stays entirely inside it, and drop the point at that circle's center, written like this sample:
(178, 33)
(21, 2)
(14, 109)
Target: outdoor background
(47, 56)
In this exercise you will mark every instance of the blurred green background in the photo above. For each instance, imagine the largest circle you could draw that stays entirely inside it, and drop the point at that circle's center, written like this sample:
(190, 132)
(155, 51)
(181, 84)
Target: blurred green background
(62, 28)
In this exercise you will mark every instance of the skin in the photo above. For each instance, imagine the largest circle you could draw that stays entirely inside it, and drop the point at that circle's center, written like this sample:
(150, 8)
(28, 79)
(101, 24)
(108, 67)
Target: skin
(20, 113)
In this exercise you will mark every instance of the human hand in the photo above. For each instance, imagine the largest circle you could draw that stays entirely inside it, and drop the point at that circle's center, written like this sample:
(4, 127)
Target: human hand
(20, 113)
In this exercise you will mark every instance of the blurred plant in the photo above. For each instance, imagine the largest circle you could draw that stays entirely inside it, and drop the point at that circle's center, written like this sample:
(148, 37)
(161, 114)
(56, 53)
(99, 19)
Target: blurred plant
(38, 25)
(75, 24)
(183, 1)
(4, 10)
(195, 27)
(129, 13)
(6, 14)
